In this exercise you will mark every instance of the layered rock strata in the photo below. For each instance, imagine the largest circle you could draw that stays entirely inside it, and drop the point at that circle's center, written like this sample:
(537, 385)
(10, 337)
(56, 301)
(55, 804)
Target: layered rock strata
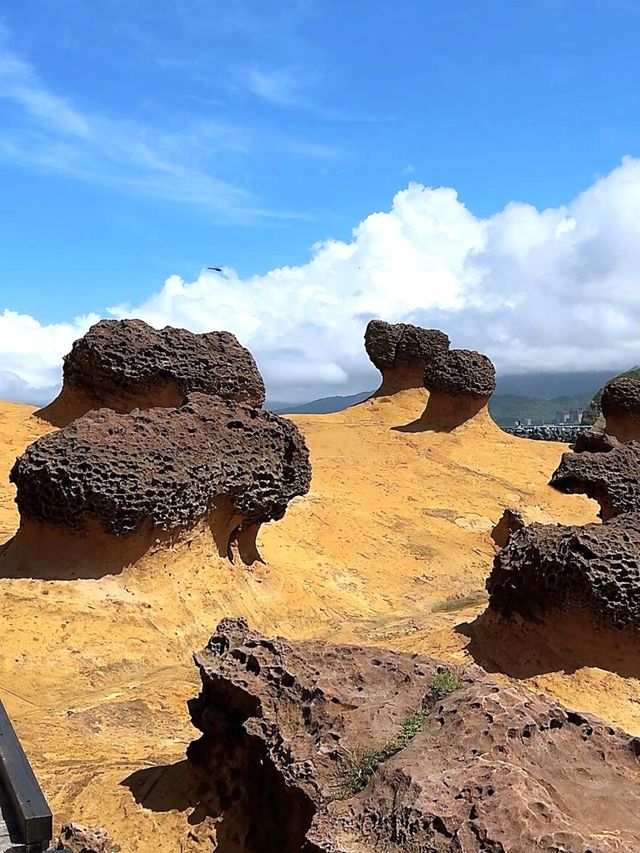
(317, 747)
(401, 352)
(127, 364)
(163, 470)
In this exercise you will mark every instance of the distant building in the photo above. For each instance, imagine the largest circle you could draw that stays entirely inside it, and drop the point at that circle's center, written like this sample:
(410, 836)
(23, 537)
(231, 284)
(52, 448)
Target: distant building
(573, 416)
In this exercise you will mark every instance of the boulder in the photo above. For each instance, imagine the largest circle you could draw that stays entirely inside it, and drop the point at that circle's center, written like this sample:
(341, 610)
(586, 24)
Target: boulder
(127, 364)
(164, 470)
(401, 352)
(308, 746)
(620, 404)
(460, 383)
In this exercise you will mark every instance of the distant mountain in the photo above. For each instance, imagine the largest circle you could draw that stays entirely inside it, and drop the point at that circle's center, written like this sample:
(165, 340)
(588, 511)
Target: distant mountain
(547, 386)
(323, 406)
(537, 396)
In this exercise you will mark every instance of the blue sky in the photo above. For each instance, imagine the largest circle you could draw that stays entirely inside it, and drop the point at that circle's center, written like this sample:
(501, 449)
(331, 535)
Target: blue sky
(140, 140)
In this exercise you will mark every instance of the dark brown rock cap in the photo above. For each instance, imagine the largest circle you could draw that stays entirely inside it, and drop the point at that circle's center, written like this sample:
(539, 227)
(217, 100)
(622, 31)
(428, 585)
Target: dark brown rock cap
(127, 364)
(461, 373)
(609, 475)
(621, 396)
(593, 569)
(394, 345)
(344, 749)
(400, 352)
(167, 467)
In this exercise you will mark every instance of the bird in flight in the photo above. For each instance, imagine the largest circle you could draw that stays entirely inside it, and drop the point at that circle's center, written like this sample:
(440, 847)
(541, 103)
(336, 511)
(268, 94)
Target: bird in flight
(215, 269)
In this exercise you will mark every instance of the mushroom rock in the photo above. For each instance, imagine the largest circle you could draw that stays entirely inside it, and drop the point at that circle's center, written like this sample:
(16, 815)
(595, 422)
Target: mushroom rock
(313, 747)
(127, 364)
(610, 476)
(510, 521)
(460, 383)
(592, 570)
(621, 408)
(148, 474)
(401, 351)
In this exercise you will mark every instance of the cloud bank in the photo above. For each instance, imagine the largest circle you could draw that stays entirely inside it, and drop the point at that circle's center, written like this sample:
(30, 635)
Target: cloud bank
(536, 290)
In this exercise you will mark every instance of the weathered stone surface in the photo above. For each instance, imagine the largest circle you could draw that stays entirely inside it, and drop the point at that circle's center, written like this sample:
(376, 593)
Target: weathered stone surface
(307, 747)
(401, 351)
(621, 408)
(127, 364)
(594, 569)
(610, 476)
(594, 441)
(81, 839)
(167, 467)
(510, 521)
(461, 372)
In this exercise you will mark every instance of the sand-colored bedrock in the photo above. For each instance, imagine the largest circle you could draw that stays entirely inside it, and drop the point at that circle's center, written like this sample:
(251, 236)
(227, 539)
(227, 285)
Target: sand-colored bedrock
(391, 547)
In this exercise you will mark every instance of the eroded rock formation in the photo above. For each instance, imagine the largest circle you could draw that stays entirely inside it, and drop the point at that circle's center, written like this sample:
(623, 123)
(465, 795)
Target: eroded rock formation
(510, 521)
(165, 469)
(610, 474)
(460, 383)
(401, 352)
(314, 747)
(545, 569)
(81, 839)
(620, 404)
(127, 364)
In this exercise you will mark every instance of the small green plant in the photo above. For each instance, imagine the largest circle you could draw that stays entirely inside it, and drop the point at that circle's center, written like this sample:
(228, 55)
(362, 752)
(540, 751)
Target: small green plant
(442, 684)
(359, 766)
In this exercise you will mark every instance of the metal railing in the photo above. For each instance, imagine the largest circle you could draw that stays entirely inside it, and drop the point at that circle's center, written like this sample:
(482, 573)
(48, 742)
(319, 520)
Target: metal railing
(31, 813)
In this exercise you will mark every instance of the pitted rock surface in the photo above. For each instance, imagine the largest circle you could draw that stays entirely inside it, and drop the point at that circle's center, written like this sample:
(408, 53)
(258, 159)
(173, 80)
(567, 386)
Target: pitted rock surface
(81, 839)
(610, 476)
(461, 372)
(594, 441)
(491, 768)
(593, 569)
(400, 351)
(128, 358)
(169, 466)
(394, 345)
(621, 408)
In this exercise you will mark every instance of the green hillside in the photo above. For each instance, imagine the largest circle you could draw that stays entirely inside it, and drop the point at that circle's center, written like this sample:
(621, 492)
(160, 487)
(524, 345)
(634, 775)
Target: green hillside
(592, 411)
(506, 409)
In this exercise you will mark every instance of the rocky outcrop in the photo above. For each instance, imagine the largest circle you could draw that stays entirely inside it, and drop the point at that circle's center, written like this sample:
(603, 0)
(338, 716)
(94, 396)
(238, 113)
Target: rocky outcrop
(594, 570)
(74, 838)
(610, 475)
(401, 352)
(460, 383)
(127, 364)
(317, 747)
(621, 408)
(165, 469)
(510, 521)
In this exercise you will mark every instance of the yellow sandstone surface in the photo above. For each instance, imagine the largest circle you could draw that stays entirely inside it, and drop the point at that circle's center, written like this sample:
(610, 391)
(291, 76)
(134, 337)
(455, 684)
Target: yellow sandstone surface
(391, 547)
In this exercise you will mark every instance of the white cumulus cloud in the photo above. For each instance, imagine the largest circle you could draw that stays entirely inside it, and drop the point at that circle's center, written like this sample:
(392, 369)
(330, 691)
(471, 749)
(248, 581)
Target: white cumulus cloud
(555, 289)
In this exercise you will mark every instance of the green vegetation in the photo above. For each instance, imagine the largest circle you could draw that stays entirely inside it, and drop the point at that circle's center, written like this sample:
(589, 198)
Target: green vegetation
(592, 411)
(506, 409)
(359, 766)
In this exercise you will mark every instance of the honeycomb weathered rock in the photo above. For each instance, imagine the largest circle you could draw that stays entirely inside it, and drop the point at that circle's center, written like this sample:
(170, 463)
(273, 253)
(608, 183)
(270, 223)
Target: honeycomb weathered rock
(313, 747)
(593, 569)
(127, 364)
(400, 351)
(169, 467)
(461, 373)
(620, 405)
(610, 476)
